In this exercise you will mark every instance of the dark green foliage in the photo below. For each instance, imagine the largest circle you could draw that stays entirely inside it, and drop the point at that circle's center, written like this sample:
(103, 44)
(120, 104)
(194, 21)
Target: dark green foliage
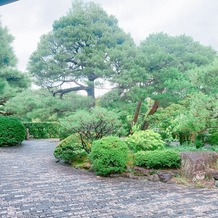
(43, 130)
(6, 53)
(213, 138)
(12, 81)
(109, 155)
(144, 141)
(12, 131)
(70, 149)
(199, 141)
(158, 159)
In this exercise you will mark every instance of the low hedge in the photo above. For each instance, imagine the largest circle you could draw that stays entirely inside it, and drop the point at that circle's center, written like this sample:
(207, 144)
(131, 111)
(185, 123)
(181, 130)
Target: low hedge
(42, 130)
(109, 155)
(158, 159)
(12, 131)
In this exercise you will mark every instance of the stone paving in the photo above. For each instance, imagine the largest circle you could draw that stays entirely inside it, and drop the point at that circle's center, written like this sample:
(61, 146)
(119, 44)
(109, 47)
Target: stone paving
(32, 184)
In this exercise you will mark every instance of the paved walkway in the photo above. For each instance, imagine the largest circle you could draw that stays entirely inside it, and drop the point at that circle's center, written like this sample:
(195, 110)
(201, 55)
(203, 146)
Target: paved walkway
(32, 184)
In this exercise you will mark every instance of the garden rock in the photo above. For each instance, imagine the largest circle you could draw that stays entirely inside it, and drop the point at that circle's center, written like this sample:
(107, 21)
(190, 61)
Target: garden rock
(141, 171)
(165, 176)
(129, 175)
(154, 178)
(198, 165)
(87, 166)
(215, 174)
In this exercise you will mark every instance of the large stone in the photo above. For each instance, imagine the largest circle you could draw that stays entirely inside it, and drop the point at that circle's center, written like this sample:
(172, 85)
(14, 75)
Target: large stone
(198, 165)
(141, 171)
(165, 176)
(153, 178)
(215, 174)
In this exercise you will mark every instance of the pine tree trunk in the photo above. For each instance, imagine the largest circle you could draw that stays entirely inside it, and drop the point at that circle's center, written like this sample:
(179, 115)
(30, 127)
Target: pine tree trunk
(151, 112)
(136, 115)
(91, 87)
(91, 91)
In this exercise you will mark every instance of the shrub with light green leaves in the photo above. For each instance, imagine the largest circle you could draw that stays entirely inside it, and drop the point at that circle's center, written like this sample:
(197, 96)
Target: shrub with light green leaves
(12, 131)
(70, 149)
(109, 155)
(144, 141)
(158, 159)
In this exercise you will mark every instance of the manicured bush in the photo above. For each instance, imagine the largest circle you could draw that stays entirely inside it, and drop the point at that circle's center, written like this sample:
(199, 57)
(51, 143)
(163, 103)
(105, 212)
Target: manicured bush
(158, 159)
(12, 131)
(144, 141)
(42, 130)
(109, 155)
(70, 149)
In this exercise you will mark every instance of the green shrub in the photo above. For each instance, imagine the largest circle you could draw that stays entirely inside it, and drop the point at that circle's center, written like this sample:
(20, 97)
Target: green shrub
(109, 155)
(213, 138)
(144, 141)
(70, 149)
(200, 140)
(158, 159)
(91, 125)
(12, 131)
(41, 130)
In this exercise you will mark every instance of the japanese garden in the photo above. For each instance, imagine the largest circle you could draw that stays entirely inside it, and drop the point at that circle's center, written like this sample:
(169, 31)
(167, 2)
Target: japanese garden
(161, 105)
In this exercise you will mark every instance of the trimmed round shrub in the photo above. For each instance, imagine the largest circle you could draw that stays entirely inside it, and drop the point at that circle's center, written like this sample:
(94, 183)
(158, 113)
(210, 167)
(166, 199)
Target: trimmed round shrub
(12, 131)
(70, 149)
(109, 155)
(158, 159)
(144, 141)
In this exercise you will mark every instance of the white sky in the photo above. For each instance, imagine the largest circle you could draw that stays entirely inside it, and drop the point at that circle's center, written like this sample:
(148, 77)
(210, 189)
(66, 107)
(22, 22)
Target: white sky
(27, 20)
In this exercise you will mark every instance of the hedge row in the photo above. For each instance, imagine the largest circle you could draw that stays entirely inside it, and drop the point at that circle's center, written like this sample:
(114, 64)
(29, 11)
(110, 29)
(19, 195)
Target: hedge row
(158, 159)
(43, 130)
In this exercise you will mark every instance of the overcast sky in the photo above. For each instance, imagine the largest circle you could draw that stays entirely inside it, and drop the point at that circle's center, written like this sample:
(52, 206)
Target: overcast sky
(27, 20)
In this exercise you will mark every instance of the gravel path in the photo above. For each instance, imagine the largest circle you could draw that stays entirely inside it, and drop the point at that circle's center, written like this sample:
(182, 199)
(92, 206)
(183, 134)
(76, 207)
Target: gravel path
(32, 184)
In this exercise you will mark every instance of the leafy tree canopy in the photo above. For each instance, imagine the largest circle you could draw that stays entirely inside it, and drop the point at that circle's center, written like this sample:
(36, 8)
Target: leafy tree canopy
(11, 80)
(39, 105)
(167, 60)
(206, 78)
(7, 57)
(78, 50)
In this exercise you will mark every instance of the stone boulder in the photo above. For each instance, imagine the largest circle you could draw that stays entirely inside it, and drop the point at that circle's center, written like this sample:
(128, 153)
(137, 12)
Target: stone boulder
(165, 176)
(141, 171)
(215, 174)
(153, 178)
(198, 165)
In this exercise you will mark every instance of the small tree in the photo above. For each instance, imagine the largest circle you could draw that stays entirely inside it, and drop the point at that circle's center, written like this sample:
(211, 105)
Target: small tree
(199, 116)
(91, 125)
